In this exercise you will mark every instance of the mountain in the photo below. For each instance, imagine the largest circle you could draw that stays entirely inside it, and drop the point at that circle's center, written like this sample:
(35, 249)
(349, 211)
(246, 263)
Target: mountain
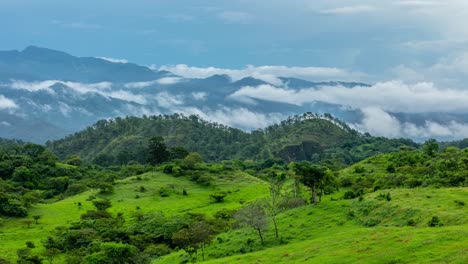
(40, 64)
(47, 94)
(306, 137)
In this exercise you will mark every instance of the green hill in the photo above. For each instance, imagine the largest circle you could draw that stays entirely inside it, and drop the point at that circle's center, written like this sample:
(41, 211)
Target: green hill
(306, 137)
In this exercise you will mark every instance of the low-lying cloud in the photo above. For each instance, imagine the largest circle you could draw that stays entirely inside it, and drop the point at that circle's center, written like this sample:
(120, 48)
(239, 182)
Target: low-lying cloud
(390, 96)
(268, 74)
(113, 60)
(381, 123)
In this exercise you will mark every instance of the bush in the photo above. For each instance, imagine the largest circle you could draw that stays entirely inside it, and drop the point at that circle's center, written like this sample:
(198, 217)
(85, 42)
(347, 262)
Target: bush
(219, 196)
(359, 169)
(458, 202)
(164, 192)
(349, 195)
(30, 244)
(435, 221)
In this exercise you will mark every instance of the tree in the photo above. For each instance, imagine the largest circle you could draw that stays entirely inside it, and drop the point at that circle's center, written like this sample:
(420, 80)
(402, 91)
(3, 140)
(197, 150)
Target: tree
(102, 205)
(157, 150)
(192, 159)
(431, 147)
(311, 176)
(254, 216)
(178, 152)
(276, 182)
(195, 237)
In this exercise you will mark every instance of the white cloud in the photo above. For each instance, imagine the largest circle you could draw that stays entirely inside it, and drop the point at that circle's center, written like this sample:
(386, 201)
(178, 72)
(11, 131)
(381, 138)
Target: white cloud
(113, 60)
(102, 88)
(168, 100)
(65, 109)
(268, 74)
(162, 81)
(235, 117)
(380, 123)
(6, 103)
(169, 80)
(5, 123)
(199, 96)
(391, 96)
(127, 96)
(349, 10)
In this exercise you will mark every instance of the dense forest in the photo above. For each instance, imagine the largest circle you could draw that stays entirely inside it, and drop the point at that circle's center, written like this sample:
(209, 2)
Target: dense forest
(307, 137)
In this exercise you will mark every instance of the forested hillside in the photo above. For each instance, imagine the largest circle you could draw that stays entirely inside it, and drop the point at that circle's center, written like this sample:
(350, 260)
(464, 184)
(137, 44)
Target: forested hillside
(306, 137)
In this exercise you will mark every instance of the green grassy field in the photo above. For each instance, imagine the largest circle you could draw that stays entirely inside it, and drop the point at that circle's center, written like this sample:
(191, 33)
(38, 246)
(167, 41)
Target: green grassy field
(242, 188)
(373, 230)
(329, 234)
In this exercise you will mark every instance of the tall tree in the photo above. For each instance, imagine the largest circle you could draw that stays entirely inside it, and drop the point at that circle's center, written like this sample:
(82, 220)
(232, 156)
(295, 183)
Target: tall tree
(157, 150)
(276, 181)
(311, 176)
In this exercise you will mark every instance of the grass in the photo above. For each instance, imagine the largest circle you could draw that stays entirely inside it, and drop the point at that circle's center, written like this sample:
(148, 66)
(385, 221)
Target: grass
(241, 188)
(373, 230)
(328, 234)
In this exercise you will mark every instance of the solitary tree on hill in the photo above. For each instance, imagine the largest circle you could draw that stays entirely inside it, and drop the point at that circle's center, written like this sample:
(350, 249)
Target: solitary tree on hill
(157, 150)
(311, 176)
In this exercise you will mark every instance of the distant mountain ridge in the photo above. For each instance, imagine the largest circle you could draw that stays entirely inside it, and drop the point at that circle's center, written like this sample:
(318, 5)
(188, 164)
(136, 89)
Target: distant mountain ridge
(47, 94)
(56, 94)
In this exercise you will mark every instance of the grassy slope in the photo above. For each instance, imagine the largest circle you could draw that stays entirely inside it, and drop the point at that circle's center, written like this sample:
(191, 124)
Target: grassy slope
(243, 188)
(323, 234)
(327, 234)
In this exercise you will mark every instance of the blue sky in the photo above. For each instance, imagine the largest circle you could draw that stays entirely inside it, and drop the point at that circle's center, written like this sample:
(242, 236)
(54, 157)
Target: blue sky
(383, 40)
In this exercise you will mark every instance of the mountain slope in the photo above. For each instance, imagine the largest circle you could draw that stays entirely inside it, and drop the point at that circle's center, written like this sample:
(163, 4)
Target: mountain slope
(311, 137)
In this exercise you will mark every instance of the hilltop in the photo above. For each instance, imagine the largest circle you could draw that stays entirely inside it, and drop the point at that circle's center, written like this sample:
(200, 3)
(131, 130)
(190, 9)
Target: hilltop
(306, 137)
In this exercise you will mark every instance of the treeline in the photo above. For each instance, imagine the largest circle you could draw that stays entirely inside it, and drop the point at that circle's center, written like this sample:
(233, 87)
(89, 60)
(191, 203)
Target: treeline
(306, 137)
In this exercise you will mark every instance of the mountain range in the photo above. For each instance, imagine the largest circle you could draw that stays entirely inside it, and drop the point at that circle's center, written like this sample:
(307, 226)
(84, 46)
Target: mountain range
(47, 94)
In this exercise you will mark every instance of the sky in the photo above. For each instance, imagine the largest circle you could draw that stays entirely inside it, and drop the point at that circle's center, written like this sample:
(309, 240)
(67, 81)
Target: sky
(409, 40)
(414, 53)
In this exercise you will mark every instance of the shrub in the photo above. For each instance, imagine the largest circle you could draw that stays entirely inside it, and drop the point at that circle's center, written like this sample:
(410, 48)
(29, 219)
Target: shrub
(458, 202)
(359, 169)
(164, 192)
(184, 192)
(30, 244)
(435, 221)
(349, 195)
(219, 196)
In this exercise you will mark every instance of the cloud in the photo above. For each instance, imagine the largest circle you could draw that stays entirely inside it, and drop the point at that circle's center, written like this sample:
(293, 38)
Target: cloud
(127, 96)
(236, 17)
(162, 81)
(5, 123)
(349, 10)
(199, 96)
(391, 96)
(168, 100)
(113, 60)
(6, 103)
(235, 117)
(268, 74)
(102, 88)
(380, 123)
